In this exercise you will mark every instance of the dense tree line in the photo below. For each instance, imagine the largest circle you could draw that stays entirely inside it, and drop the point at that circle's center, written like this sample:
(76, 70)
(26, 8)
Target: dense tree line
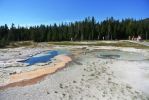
(88, 29)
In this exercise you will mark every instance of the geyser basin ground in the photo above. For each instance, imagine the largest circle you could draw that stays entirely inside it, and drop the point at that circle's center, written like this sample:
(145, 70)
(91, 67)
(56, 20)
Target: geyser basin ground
(88, 77)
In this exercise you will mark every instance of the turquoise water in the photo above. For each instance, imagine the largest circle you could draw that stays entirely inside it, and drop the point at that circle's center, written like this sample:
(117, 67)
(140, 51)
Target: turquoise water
(43, 57)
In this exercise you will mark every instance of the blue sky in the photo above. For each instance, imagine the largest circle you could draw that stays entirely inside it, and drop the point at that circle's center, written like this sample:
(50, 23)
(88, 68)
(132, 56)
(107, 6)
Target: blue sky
(32, 12)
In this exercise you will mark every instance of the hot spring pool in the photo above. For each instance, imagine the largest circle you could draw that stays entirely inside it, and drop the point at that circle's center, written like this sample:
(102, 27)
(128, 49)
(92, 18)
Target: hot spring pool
(121, 55)
(44, 57)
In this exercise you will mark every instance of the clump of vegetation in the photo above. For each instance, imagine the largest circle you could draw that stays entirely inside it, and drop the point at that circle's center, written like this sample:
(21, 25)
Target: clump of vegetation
(22, 43)
(3, 43)
(99, 43)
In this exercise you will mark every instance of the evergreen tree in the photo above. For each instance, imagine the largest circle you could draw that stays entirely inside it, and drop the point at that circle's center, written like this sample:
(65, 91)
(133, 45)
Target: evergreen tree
(88, 29)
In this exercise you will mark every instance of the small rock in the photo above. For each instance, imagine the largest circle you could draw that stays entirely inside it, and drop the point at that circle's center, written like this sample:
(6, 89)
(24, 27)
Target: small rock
(12, 73)
(109, 78)
(128, 87)
(63, 94)
(48, 92)
(66, 86)
(61, 86)
(55, 92)
(92, 74)
(74, 82)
